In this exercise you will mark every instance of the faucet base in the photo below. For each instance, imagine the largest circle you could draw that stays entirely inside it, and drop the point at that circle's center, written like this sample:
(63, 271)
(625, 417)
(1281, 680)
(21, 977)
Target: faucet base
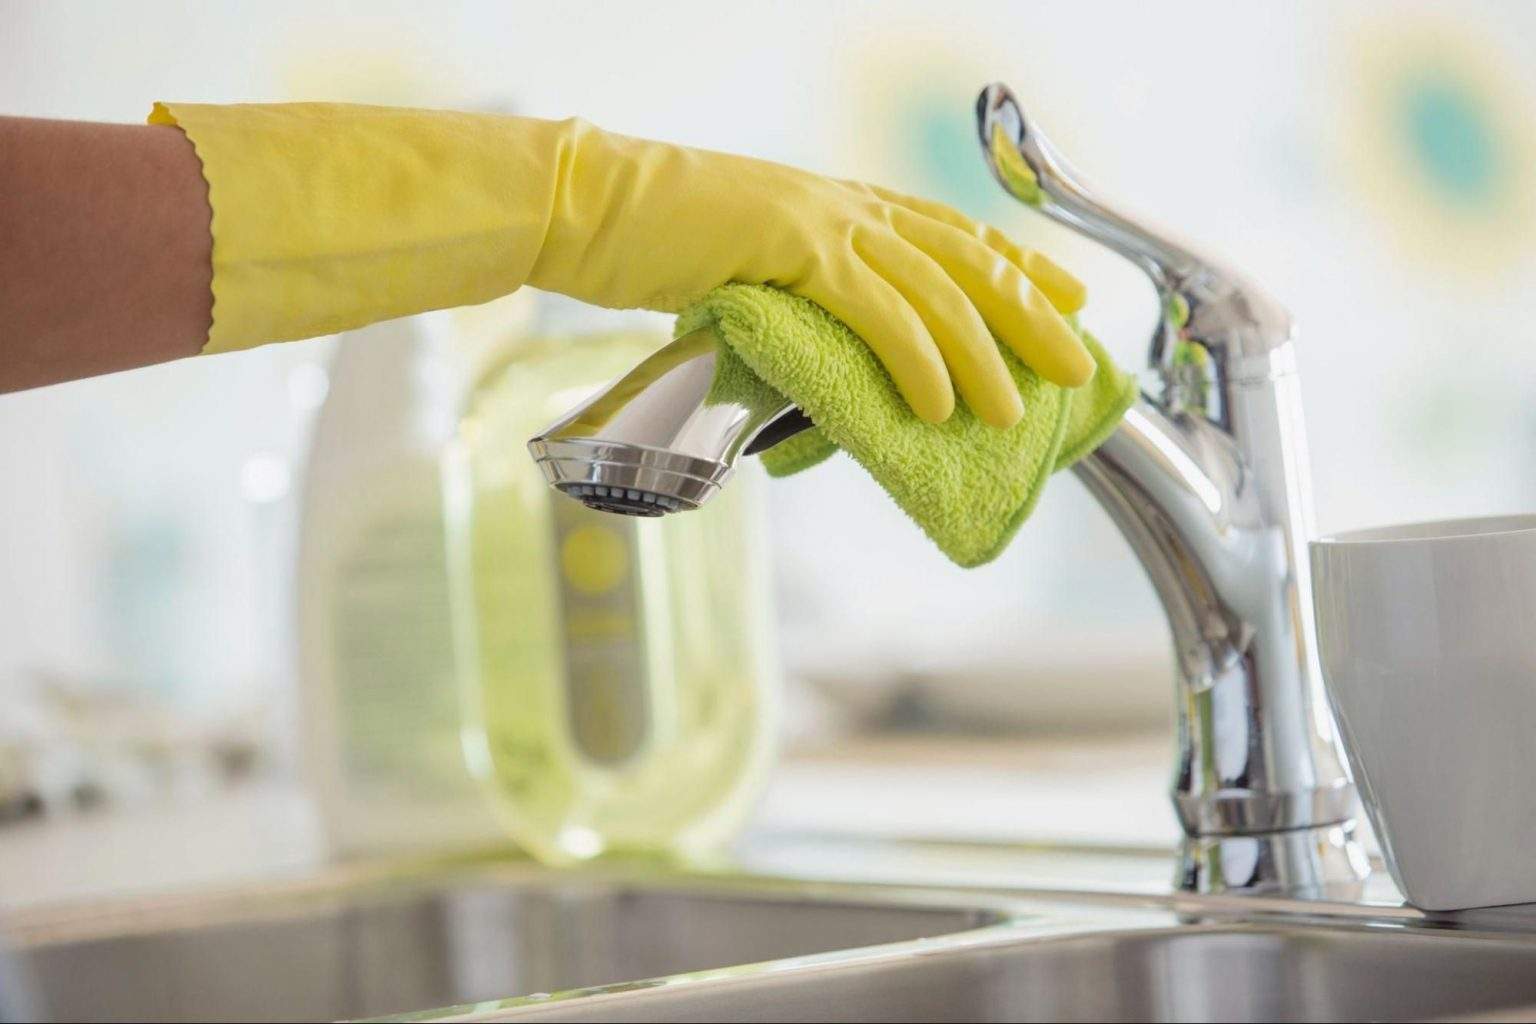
(1249, 811)
(1325, 861)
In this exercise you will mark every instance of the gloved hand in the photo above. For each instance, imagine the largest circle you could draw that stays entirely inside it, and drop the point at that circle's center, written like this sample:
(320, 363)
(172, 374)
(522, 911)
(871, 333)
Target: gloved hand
(326, 217)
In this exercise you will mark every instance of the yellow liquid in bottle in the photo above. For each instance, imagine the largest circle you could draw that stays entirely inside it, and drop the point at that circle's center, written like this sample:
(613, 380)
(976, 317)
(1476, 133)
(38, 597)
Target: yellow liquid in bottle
(613, 668)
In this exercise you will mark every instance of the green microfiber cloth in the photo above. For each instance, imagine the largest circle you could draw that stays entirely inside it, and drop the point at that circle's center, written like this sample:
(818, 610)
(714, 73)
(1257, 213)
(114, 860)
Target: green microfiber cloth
(968, 485)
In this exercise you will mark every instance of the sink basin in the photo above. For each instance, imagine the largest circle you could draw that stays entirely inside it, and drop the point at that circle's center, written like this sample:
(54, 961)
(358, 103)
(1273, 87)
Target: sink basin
(517, 943)
(320, 954)
(1179, 973)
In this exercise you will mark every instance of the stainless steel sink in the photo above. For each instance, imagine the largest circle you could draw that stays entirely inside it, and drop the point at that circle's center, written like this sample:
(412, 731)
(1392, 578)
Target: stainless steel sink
(1027, 940)
(1179, 973)
(317, 953)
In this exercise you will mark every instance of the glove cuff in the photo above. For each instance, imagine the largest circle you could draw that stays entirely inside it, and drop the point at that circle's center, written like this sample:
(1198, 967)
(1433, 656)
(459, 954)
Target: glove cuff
(327, 217)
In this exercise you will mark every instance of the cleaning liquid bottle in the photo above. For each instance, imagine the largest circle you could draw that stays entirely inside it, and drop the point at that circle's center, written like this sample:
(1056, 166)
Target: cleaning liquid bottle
(615, 670)
(381, 711)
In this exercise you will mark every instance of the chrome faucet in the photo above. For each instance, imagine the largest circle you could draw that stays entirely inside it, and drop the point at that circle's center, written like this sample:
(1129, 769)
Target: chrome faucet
(1207, 481)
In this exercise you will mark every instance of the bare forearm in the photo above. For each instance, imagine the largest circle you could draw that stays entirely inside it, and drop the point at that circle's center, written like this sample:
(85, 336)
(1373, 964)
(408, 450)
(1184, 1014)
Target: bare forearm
(104, 250)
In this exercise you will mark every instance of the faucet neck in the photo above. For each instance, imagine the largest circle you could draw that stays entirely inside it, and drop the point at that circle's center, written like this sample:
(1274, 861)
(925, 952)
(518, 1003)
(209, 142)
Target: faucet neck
(1208, 482)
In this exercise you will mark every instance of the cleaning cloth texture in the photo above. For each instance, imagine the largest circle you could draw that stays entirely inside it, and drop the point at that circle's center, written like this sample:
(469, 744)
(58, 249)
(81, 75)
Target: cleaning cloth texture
(968, 485)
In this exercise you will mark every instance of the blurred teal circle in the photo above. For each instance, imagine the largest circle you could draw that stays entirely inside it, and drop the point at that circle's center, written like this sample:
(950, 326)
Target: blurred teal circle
(1451, 139)
(948, 157)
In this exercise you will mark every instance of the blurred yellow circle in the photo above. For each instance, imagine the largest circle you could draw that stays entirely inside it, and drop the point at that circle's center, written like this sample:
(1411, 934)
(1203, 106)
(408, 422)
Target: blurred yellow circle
(594, 559)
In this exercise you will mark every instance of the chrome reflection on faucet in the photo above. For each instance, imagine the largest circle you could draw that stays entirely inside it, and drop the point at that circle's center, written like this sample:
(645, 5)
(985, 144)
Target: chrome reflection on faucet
(1208, 482)
(658, 439)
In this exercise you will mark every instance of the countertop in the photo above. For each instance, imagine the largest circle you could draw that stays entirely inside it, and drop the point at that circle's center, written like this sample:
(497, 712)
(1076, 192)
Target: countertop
(1074, 790)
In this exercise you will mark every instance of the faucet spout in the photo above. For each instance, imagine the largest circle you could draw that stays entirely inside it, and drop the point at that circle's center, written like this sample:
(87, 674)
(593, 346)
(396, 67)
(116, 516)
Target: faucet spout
(659, 439)
(1208, 482)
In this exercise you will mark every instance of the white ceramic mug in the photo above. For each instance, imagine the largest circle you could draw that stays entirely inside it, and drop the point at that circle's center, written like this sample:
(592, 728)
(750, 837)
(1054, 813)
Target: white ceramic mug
(1427, 634)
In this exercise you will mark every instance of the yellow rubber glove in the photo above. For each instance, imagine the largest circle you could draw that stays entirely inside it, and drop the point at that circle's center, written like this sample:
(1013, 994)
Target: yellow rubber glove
(327, 217)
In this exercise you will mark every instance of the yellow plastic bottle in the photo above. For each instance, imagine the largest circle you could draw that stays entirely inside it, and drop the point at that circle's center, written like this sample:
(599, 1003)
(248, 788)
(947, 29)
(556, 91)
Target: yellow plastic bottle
(615, 670)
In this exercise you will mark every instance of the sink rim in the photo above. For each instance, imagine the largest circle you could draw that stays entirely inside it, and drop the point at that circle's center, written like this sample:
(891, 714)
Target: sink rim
(1022, 925)
(1032, 924)
(37, 928)
(280, 899)
(1018, 911)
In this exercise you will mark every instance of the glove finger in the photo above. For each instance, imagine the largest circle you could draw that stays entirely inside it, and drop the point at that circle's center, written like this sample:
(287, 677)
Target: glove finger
(969, 350)
(1017, 312)
(1065, 292)
(879, 314)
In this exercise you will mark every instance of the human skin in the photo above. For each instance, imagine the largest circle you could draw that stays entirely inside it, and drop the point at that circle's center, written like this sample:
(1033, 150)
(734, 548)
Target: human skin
(104, 249)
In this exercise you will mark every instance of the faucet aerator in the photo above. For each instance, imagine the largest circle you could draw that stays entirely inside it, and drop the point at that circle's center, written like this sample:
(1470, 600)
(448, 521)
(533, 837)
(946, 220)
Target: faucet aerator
(622, 501)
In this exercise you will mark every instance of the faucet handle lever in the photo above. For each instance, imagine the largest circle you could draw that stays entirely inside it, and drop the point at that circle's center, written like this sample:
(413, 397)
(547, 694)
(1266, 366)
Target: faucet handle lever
(1210, 316)
(1034, 172)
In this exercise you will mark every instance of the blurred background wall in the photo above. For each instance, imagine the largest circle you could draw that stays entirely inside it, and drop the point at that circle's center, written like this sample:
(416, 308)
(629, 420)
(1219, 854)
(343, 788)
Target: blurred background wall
(1372, 164)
